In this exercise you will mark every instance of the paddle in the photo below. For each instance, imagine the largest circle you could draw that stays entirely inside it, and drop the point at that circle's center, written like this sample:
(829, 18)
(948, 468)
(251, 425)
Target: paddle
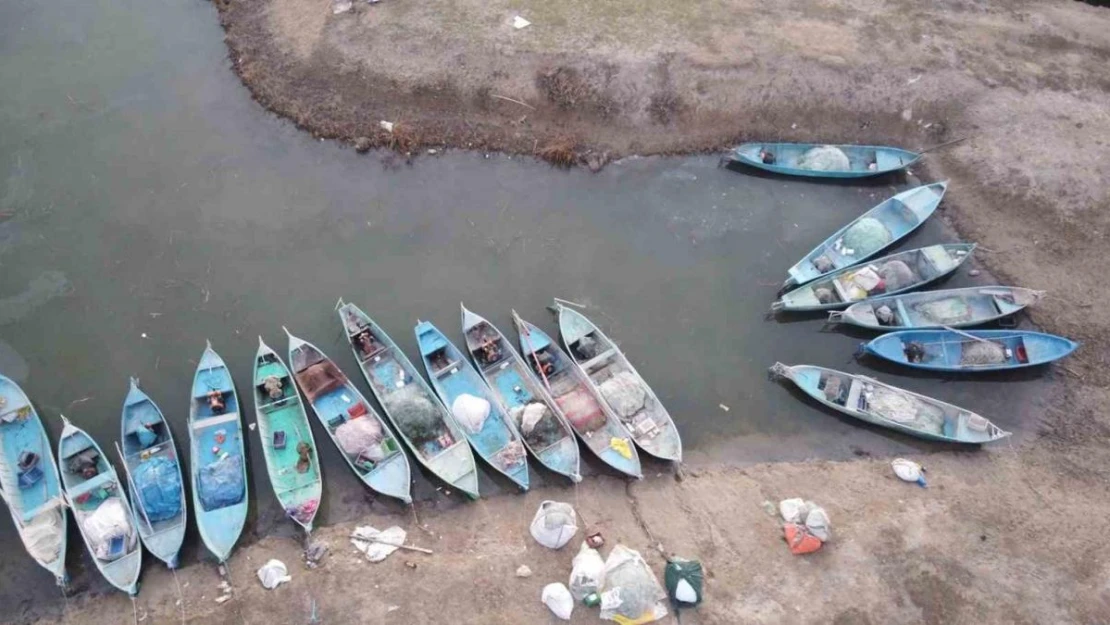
(965, 334)
(945, 144)
(528, 339)
(135, 494)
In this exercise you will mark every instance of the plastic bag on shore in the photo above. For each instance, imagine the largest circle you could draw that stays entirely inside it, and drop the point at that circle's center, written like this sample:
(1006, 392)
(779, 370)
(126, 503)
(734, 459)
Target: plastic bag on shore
(684, 580)
(630, 591)
(588, 569)
(273, 574)
(557, 599)
(554, 524)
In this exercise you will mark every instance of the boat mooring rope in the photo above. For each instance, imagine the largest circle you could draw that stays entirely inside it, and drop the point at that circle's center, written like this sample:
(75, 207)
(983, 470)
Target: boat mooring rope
(180, 595)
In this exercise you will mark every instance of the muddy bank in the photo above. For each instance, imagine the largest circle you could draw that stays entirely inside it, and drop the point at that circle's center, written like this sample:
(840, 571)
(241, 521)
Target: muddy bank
(633, 77)
(998, 537)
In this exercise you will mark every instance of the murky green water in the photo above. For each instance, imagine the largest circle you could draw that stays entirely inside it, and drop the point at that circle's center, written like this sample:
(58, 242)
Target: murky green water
(146, 204)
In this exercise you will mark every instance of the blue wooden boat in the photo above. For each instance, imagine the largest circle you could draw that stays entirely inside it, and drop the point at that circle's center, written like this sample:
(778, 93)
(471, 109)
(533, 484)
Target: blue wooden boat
(954, 308)
(29, 481)
(358, 431)
(153, 470)
(872, 401)
(97, 498)
(790, 159)
(550, 439)
(496, 439)
(973, 350)
(619, 385)
(217, 460)
(890, 275)
(590, 417)
(870, 233)
(420, 419)
(292, 460)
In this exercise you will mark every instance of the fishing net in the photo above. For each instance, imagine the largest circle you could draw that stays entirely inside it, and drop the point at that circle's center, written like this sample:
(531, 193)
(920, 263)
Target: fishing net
(865, 237)
(624, 394)
(945, 311)
(415, 414)
(630, 590)
(582, 410)
(538, 424)
(159, 489)
(43, 535)
(471, 412)
(824, 158)
(904, 409)
(982, 353)
(897, 275)
(359, 437)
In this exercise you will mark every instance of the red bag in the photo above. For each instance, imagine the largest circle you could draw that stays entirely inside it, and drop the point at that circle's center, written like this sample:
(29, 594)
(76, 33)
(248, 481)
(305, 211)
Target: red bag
(799, 539)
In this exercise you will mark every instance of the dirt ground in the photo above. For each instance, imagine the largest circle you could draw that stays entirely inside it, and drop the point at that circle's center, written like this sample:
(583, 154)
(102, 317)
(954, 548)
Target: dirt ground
(1006, 535)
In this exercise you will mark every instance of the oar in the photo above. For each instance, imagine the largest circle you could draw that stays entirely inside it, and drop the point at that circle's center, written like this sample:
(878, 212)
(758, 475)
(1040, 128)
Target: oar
(535, 359)
(962, 333)
(945, 144)
(386, 542)
(134, 491)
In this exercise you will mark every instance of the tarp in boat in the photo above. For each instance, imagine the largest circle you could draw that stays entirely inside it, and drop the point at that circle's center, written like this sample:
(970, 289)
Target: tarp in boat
(221, 483)
(109, 530)
(159, 486)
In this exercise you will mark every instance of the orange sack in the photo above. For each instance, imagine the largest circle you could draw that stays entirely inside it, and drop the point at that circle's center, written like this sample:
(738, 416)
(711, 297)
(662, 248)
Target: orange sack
(799, 539)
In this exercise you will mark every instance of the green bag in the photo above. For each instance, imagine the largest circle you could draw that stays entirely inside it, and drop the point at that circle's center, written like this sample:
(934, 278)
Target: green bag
(684, 580)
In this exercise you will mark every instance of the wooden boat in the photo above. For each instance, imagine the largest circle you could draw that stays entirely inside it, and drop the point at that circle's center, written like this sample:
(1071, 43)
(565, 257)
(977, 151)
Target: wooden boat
(348, 418)
(550, 440)
(287, 442)
(886, 223)
(870, 400)
(863, 160)
(495, 439)
(973, 350)
(590, 417)
(152, 467)
(897, 273)
(420, 419)
(96, 496)
(29, 481)
(614, 379)
(953, 308)
(217, 460)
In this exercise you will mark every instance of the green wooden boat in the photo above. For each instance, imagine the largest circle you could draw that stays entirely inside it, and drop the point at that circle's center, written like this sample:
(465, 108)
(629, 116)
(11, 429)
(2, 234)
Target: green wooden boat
(287, 442)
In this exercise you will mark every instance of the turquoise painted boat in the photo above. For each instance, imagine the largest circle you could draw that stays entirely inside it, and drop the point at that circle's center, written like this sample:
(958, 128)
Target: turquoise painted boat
(29, 481)
(287, 443)
(217, 460)
(494, 438)
(420, 419)
(795, 159)
(590, 417)
(973, 350)
(98, 500)
(359, 433)
(548, 437)
(152, 467)
(617, 382)
(954, 308)
(872, 401)
(869, 234)
(890, 275)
